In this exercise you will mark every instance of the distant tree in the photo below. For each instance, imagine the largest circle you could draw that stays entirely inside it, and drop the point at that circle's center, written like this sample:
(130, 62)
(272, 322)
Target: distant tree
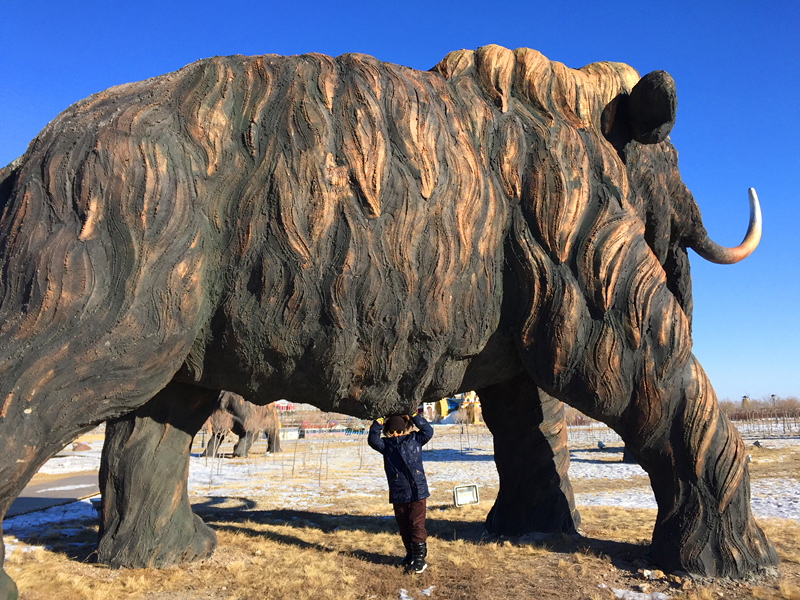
(728, 407)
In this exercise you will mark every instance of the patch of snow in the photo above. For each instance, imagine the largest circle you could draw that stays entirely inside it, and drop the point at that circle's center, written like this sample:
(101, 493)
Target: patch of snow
(13, 546)
(586, 464)
(35, 522)
(61, 463)
(631, 595)
(24, 526)
(67, 487)
(775, 498)
(353, 469)
(633, 498)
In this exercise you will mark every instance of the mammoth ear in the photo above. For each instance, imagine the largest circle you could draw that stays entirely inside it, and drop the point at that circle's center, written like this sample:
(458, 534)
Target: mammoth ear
(646, 115)
(651, 107)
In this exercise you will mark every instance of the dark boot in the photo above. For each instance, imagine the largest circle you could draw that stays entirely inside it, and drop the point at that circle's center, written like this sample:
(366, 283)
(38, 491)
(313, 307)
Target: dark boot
(406, 562)
(418, 553)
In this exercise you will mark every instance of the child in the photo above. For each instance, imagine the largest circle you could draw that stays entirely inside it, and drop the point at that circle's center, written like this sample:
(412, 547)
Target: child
(408, 488)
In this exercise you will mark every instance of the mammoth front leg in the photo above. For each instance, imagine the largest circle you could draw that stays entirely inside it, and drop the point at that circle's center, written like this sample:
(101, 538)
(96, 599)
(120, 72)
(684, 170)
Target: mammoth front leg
(246, 439)
(664, 408)
(530, 451)
(632, 368)
(696, 461)
(146, 517)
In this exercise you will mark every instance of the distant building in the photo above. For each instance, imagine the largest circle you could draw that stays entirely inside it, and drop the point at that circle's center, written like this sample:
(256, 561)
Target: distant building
(461, 408)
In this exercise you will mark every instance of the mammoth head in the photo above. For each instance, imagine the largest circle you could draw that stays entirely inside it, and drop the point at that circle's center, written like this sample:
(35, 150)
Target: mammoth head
(646, 116)
(638, 125)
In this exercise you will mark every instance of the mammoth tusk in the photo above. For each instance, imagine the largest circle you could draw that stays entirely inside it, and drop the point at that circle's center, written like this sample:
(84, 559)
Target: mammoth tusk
(727, 256)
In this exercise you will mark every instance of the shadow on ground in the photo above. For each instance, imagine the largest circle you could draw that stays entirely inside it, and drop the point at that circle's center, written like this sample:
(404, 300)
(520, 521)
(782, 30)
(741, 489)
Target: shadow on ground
(621, 554)
(449, 455)
(239, 515)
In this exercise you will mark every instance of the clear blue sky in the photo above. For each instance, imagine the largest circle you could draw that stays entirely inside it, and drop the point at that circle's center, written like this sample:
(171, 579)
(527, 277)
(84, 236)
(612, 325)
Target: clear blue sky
(736, 65)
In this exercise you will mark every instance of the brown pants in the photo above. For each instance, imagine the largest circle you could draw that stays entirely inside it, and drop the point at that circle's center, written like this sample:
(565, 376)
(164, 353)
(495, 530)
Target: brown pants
(411, 521)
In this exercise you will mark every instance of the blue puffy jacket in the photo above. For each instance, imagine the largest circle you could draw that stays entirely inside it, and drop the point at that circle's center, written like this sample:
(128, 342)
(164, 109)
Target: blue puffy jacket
(402, 460)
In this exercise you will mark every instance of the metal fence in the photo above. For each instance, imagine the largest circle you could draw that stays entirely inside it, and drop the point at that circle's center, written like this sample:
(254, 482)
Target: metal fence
(314, 454)
(767, 422)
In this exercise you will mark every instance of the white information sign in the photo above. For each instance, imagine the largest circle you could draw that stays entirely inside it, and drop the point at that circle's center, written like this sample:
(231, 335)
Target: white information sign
(465, 494)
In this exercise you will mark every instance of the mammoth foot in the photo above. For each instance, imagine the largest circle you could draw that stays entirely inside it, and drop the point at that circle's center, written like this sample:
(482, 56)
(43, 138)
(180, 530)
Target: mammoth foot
(242, 447)
(185, 538)
(699, 539)
(8, 589)
(551, 513)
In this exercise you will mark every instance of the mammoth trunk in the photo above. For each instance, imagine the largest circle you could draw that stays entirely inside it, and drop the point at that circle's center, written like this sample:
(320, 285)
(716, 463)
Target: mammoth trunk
(604, 332)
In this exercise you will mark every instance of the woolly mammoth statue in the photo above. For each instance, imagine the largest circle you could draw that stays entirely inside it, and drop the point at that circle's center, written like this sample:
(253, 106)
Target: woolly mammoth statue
(246, 420)
(365, 237)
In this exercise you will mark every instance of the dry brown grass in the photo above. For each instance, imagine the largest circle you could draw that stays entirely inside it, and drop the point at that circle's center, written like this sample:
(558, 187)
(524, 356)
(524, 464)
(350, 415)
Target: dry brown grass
(350, 550)
(266, 552)
(774, 462)
(587, 486)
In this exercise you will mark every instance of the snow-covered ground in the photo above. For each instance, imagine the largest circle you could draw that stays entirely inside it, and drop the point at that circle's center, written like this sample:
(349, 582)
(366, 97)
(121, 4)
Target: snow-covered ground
(313, 473)
(73, 462)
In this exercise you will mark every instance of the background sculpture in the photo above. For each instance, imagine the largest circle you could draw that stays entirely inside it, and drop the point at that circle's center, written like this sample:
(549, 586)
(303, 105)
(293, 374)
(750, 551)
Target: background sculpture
(246, 420)
(364, 237)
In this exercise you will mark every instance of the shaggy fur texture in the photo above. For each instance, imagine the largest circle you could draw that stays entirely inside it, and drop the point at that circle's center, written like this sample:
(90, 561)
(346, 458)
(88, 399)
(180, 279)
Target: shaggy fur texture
(364, 237)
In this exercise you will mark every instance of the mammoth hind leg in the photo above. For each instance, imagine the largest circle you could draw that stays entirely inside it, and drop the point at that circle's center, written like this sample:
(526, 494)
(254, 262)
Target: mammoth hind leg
(273, 439)
(214, 443)
(530, 451)
(146, 517)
